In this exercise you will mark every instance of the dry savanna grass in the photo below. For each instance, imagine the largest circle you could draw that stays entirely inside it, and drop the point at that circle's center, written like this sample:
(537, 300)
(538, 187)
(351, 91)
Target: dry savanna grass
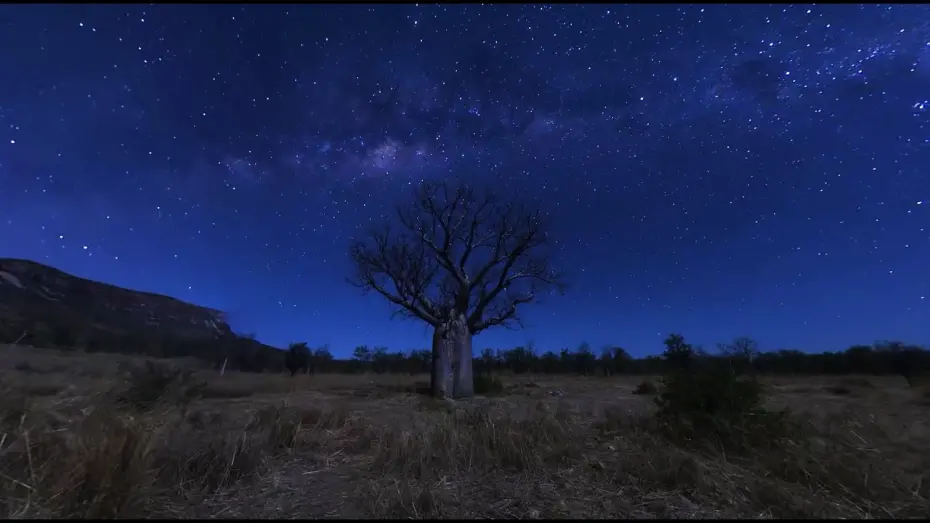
(106, 436)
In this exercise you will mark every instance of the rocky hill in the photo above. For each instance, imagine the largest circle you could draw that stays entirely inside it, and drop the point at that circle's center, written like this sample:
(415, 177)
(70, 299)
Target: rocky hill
(43, 306)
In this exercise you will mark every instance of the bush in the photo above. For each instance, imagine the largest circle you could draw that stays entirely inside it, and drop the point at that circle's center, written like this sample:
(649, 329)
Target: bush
(839, 390)
(715, 406)
(646, 387)
(154, 383)
(487, 384)
(857, 382)
(297, 358)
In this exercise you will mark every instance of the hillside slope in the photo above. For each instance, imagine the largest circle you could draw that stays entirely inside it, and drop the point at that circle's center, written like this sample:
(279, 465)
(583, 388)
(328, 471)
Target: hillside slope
(43, 306)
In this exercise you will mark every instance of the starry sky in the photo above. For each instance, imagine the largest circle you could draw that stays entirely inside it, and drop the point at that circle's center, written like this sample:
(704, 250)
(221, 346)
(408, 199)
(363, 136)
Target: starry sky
(716, 170)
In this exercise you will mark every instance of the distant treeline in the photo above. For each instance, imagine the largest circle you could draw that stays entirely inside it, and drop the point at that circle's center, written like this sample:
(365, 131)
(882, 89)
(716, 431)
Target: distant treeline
(244, 353)
(742, 354)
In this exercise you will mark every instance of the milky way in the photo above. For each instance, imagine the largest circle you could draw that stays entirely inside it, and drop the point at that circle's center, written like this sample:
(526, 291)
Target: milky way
(714, 170)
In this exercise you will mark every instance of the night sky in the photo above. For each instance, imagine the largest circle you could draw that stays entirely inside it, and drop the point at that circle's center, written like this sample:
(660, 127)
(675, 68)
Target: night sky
(718, 170)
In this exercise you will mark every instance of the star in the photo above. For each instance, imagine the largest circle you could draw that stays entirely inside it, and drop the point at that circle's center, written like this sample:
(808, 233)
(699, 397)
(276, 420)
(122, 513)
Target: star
(714, 170)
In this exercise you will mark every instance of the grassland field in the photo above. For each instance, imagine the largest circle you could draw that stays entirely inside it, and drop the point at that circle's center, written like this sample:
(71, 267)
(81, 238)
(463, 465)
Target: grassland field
(103, 435)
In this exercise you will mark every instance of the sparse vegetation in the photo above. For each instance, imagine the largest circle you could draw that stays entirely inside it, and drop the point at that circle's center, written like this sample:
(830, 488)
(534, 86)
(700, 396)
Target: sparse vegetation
(297, 358)
(488, 385)
(162, 438)
(646, 387)
(714, 405)
(89, 433)
(147, 386)
(839, 390)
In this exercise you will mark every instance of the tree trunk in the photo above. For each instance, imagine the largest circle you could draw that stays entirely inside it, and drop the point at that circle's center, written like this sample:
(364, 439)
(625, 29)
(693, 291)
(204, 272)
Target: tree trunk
(452, 360)
(441, 373)
(463, 384)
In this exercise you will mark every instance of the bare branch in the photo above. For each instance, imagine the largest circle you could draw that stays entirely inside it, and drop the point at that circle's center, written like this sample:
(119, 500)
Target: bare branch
(522, 271)
(458, 252)
(397, 270)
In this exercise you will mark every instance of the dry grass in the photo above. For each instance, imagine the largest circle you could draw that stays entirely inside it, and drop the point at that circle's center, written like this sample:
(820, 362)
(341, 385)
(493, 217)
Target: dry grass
(76, 440)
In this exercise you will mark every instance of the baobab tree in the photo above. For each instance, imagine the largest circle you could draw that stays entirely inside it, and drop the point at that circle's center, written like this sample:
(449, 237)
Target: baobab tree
(461, 261)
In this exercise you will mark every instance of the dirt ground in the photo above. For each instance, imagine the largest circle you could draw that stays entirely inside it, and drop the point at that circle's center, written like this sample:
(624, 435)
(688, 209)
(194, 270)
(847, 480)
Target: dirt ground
(78, 440)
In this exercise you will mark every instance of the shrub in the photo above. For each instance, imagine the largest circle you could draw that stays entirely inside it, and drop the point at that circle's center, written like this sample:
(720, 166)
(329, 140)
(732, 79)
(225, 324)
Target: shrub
(646, 387)
(487, 384)
(297, 358)
(717, 407)
(154, 383)
(839, 390)
(24, 366)
(858, 382)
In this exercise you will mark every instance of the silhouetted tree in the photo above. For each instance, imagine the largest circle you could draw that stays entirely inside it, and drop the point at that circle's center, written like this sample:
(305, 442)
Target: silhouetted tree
(678, 354)
(419, 361)
(486, 362)
(904, 360)
(549, 362)
(861, 359)
(321, 360)
(297, 357)
(584, 359)
(380, 360)
(741, 354)
(615, 360)
(518, 360)
(462, 263)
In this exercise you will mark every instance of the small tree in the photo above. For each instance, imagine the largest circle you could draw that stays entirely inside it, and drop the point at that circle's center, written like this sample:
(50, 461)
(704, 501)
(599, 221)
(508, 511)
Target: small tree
(419, 361)
(460, 262)
(380, 360)
(615, 360)
(297, 358)
(321, 360)
(709, 402)
(905, 360)
(488, 361)
(678, 355)
(362, 356)
(741, 353)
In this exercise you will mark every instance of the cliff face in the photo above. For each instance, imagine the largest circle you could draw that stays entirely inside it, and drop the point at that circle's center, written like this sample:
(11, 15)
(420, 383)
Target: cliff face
(35, 296)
